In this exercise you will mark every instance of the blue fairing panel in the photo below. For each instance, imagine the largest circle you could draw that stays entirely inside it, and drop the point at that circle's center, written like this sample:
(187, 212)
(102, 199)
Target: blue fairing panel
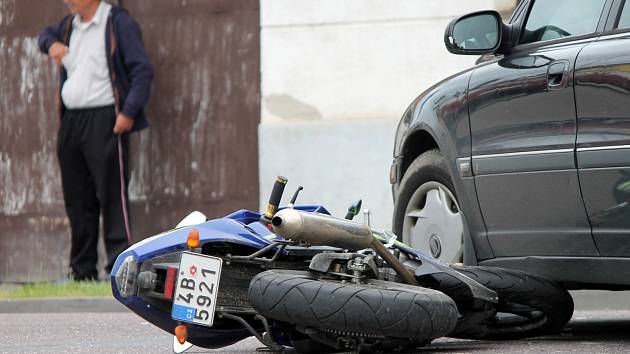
(241, 227)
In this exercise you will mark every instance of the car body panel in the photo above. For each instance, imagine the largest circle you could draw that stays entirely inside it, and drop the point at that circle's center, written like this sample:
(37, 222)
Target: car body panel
(603, 143)
(523, 139)
(573, 272)
(442, 113)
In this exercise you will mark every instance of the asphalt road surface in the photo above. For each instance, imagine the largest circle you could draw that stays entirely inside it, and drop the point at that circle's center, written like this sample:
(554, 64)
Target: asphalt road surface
(591, 331)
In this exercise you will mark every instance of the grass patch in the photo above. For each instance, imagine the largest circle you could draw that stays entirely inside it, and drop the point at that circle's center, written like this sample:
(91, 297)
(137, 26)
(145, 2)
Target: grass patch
(67, 289)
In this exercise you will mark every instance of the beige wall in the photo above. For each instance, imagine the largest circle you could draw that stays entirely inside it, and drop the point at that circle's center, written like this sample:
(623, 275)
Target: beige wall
(336, 76)
(355, 59)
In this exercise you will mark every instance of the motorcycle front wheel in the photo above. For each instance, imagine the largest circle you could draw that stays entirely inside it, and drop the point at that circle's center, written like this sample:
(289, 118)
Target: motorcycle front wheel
(374, 308)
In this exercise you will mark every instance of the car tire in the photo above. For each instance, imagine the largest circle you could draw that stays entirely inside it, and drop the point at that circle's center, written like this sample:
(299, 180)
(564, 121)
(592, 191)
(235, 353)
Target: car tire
(377, 308)
(529, 305)
(426, 211)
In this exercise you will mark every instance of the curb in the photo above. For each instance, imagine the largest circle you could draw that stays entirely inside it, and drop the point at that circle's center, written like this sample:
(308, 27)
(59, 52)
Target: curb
(61, 305)
(584, 301)
(601, 300)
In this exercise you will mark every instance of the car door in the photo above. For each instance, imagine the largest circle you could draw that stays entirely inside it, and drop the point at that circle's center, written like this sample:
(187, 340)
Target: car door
(523, 129)
(602, 88)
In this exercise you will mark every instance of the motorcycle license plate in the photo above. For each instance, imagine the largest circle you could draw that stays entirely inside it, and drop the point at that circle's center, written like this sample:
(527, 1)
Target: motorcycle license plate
(196, 289)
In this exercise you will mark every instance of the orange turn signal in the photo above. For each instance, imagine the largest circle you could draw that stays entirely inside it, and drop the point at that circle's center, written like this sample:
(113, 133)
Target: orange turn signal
(193, 238)
(181, 332)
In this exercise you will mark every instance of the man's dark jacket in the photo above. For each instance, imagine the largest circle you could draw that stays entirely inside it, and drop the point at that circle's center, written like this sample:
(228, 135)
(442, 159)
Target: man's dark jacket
(129, 65)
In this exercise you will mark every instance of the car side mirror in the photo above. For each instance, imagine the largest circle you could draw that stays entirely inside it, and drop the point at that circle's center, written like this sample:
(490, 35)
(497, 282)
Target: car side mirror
(475, 34)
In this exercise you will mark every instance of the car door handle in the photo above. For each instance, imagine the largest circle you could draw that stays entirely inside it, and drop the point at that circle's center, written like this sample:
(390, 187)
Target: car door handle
(557, 74)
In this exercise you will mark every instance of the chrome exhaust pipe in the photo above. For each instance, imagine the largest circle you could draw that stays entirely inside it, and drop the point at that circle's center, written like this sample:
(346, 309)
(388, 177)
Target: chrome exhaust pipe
(325, 230)
(321, 230)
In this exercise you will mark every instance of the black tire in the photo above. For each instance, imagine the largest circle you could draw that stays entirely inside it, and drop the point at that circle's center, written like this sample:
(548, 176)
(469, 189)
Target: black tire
(528, 305)
(430, 166)
(379, 308)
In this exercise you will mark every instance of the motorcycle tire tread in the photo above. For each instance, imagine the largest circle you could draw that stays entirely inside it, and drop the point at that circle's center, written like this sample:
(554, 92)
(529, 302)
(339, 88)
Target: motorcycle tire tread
(518, 287)
(401, 311)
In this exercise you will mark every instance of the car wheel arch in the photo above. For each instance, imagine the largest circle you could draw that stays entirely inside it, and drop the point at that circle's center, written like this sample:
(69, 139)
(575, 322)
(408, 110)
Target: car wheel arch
(422, 139)
(417, 143)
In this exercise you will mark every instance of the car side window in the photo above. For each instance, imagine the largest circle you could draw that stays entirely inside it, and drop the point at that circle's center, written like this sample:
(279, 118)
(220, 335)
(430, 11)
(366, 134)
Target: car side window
(552, 19)
(624, 19)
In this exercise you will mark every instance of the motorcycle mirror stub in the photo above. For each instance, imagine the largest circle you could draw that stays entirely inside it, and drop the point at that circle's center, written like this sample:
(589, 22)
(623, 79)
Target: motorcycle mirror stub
(194, 218)
(295, 195)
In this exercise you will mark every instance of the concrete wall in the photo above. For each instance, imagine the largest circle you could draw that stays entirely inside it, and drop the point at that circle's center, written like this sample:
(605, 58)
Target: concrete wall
(336, 77)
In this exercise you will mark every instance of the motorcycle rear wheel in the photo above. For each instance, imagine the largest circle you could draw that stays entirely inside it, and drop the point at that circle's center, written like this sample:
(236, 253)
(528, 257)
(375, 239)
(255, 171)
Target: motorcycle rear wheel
(528, 306)
(374, 309)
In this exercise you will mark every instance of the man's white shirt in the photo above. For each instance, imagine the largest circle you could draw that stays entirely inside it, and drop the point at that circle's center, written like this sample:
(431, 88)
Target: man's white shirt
(88, 83)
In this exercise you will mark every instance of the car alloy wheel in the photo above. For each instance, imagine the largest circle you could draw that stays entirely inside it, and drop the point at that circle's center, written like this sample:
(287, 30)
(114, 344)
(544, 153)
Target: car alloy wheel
(433, 223)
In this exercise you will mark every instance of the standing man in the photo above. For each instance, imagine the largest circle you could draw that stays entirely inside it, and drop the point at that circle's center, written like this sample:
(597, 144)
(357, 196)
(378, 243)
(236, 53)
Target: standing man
(104, 87)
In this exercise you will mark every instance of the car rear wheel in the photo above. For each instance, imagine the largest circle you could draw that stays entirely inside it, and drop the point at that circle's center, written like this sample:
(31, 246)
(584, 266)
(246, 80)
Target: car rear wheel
(426, 212)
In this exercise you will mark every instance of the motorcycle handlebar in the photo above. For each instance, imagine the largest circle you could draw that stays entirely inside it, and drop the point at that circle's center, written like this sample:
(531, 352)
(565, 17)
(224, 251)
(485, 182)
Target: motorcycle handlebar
(276, 196)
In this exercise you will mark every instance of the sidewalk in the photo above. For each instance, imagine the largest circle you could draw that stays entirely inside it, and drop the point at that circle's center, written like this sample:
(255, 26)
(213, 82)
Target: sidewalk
(58, 304)
(61, 305)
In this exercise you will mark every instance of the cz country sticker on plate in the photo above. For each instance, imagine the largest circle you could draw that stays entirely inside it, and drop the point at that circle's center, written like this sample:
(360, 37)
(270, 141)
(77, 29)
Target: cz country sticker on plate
(196, 289)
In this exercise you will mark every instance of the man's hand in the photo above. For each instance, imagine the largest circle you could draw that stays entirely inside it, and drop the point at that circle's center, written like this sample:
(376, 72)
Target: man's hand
(123, 124)
(57, 51)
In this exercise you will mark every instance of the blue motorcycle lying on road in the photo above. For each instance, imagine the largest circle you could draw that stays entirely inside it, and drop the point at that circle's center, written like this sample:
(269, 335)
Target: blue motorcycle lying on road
(299, 277)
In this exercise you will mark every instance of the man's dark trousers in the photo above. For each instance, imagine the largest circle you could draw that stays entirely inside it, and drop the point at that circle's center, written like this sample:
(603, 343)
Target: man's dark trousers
(91, 177)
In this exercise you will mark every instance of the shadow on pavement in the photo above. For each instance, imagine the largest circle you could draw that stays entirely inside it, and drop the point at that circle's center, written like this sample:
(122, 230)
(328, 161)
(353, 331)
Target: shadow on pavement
(596, 330)
(589, 334)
